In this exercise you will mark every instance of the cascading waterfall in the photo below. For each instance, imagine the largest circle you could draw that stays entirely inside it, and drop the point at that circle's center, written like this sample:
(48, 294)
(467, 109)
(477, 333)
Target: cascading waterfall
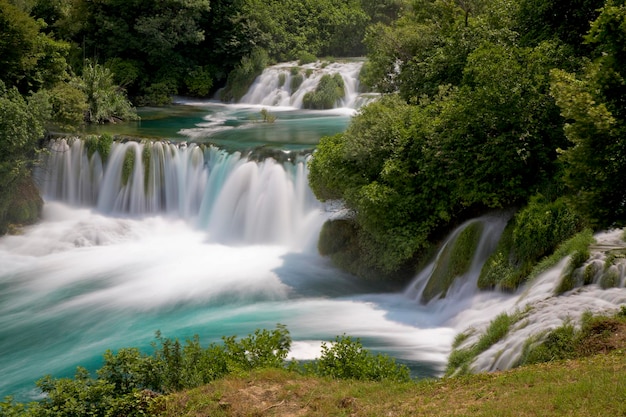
(276, 86)
(235, 199)
(599, 289)
(192, 239)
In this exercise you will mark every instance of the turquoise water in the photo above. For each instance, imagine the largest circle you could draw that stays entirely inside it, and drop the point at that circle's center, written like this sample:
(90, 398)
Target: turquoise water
(92, 276)
(233, 127)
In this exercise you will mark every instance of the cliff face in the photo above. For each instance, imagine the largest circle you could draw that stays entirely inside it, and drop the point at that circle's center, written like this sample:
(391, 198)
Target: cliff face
(21, 205)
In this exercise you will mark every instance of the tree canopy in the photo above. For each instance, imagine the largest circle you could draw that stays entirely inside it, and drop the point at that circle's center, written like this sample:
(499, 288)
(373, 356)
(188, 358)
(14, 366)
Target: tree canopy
(477, 114)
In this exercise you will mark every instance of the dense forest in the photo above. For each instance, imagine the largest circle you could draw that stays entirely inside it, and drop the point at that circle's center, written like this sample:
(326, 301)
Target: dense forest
(487, 105)
(64, 63)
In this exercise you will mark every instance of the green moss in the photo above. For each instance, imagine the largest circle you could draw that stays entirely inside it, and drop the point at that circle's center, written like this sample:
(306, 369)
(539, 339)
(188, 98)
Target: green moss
(282, 77)
(146, 159)
(128, 166)
(590, 272)
(454, 261)
(329, 90)
(296, 81)
(104, 146)
(498, 267)
(534, 233)
(610, 278)
(339, 240)
(577, 246)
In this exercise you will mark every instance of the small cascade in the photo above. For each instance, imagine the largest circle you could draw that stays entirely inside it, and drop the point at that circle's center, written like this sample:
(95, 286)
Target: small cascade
(455, 270)
(539, 307)
(235, 199)
(285, 84)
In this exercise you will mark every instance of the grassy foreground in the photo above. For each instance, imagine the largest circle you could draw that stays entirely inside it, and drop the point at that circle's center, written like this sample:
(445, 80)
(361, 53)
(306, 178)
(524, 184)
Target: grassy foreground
(593, 386)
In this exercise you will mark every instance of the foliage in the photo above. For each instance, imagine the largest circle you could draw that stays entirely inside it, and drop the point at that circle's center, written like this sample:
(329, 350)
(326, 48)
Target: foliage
(69, 105)
(106, 103)
(534, 233)
(408, 169)
(240, 79)
(199, 81)
(267, 116)
(566, 20)
(130, 382)
(347, 359)
(594, 107)
(296, 82)
(328, 92)
(289, 29)
(144, 35)
(461, 357)
(29, 59)
(21, 126)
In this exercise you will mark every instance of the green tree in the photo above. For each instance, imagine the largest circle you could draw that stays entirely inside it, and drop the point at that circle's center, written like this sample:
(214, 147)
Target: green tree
(21, 126)
(106, 102)
(29, 59)
(594, 107)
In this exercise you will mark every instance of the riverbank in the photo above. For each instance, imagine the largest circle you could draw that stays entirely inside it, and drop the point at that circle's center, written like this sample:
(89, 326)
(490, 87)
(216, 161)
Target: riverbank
(592, 386)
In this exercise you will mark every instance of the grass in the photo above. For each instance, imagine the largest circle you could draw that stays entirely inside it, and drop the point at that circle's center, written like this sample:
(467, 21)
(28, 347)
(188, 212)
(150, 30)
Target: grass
(594, 386)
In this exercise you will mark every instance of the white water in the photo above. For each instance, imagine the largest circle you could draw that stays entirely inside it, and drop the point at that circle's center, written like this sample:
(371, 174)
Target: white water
(274, 86)
(210, 243)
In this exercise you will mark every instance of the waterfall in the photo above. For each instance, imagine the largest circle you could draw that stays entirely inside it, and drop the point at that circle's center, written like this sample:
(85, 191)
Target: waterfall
(235, 199)
(599, 289)
(285, 84)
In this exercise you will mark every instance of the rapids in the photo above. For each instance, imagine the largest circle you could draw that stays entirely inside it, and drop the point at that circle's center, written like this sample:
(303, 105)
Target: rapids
(193, 238)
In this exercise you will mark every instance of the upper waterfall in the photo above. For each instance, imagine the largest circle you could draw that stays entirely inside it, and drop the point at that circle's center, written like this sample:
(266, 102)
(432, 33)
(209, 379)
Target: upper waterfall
(286, 84)
(235, 199)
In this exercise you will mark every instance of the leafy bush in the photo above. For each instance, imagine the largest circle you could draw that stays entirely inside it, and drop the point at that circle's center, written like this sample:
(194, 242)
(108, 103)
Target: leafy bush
(296, 81)
(305, 57)
(199, 81)
(106, 101)
(347, 359)
(130, 382)
(329, 90)
(533, 233)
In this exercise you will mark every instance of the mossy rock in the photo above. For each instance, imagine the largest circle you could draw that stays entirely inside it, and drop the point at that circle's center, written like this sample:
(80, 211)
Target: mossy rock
(610, 278)
(22, 206)
(454, 261)
(591, 272)
(339, 240)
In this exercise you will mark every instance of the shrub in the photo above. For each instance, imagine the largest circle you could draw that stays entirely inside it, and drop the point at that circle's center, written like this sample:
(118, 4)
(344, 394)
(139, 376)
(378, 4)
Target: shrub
(329, 90)
(305, 57)
(347, 359)
(199, 81)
